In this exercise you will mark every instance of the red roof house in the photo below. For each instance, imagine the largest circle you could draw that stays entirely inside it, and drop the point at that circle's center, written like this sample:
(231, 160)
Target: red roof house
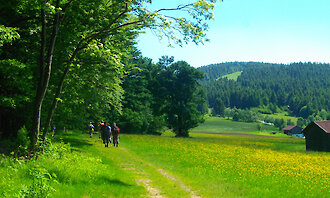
(292, 130)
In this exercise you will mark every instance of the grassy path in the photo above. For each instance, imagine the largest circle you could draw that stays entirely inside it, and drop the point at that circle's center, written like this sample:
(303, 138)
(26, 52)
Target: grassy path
(156, 181)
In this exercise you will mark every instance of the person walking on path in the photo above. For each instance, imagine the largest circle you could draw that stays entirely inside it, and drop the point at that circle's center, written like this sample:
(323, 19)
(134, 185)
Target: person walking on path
(115, 135)
(106, 130)
(91, 129)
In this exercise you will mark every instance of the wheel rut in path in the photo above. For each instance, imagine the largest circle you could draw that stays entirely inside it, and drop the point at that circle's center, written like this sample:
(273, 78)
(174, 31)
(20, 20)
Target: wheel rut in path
(145, 171)
(180, 183)
(142, 178)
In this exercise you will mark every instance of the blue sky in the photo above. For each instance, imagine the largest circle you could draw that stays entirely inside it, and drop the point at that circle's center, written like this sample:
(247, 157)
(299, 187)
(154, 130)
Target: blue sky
(275, 31)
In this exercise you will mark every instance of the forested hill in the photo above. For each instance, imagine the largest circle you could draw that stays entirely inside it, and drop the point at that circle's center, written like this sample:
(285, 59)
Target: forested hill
(304, 87)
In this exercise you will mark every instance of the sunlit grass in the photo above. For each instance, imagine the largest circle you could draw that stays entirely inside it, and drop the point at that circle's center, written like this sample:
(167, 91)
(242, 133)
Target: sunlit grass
(82, 172)
(216, 165)
(222, 125)
(232, 76)
(233, 166)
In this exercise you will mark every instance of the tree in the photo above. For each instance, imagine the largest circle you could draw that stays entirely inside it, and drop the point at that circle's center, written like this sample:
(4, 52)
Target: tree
(178, 97)
(289, 122)
(301, 122)
(228, 113)
(82, 25)
(219, 107)
(280, 123)
(138, 115)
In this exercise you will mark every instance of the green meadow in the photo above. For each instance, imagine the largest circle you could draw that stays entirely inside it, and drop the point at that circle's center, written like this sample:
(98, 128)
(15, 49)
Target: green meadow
(232, 76)
(227, 163)
(226, 126)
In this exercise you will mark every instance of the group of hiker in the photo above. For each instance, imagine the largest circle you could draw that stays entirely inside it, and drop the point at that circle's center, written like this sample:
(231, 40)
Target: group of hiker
(106, 133)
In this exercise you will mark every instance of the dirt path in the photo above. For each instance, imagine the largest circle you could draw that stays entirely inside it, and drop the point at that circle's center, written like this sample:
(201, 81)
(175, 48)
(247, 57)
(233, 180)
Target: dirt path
(181, 184)
(148, 176)
(158, 182)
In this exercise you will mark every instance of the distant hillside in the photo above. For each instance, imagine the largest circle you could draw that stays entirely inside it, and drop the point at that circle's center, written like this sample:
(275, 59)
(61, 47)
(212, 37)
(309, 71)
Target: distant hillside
(303, 87)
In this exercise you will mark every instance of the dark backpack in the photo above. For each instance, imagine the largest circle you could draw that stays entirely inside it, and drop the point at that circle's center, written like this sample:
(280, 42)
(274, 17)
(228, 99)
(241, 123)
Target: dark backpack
(104, 129)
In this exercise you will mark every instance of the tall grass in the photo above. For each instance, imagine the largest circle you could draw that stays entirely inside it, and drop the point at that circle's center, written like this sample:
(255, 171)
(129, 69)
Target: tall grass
(67, 172)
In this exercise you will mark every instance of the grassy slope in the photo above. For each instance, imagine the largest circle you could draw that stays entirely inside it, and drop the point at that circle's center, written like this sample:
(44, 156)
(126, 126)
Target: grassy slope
(232, 76)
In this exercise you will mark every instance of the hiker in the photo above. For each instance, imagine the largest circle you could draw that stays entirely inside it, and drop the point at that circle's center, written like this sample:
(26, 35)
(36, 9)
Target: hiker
(115, 135)
(106, 131)
(91, 129)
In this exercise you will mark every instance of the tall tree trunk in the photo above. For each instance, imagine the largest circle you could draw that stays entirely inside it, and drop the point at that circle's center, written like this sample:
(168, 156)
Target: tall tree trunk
(45, 72)
(39, 93)
(55, 100)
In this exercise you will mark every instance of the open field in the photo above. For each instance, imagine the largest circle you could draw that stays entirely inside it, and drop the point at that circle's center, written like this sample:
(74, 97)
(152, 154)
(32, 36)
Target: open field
(225, 126)
(204, 165)
(232, 76)
(233, 166)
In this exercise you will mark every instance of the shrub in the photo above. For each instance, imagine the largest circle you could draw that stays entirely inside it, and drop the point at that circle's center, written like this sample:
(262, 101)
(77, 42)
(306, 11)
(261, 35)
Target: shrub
(23, 138)
(41, 185)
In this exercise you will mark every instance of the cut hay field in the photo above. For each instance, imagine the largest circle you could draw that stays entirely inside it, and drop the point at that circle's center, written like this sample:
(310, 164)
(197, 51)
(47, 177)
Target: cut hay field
(205, 165)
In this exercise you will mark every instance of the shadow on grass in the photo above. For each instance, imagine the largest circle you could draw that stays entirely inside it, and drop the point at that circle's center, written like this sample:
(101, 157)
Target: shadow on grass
(108, 181)
(99, 180)
(75, 140)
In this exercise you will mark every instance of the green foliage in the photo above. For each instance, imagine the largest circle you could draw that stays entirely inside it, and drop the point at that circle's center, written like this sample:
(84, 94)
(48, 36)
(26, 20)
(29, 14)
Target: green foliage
(259, 127)
(219, 107)
(22, 137)
(22, 141)
(280, 123)
(289, 122)
(269, 119)
(245, 115)
(41, 185)
(301, 122)
(138, 114)
(8, 35)
(177, 97)
(83, 44)
(66, 171)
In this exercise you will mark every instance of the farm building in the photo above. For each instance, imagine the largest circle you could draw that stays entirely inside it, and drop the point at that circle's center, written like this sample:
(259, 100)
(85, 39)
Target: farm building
(292, 130)
(317, 135)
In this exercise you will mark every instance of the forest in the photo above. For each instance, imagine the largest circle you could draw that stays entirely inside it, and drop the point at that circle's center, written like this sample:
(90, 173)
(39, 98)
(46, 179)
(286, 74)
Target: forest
(301, 89)
(67, 63)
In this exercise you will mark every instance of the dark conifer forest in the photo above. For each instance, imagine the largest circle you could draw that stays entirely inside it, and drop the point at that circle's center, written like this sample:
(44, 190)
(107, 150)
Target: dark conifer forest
(302, 89)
